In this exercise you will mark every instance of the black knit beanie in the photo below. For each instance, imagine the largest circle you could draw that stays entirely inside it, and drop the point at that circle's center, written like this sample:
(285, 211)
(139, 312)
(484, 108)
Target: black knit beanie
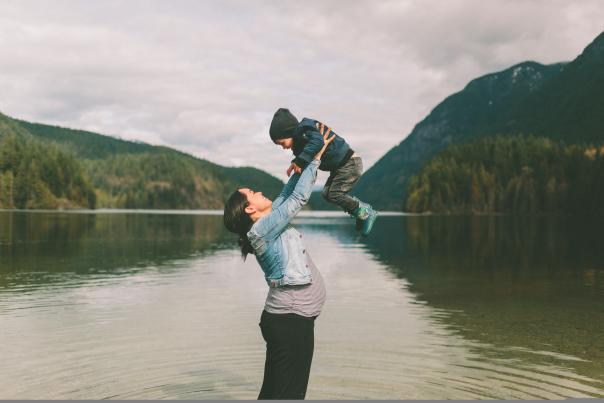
(283, 124)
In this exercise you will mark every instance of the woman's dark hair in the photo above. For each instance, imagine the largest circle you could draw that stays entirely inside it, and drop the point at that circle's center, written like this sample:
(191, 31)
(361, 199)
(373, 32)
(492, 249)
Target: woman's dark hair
(237, 221)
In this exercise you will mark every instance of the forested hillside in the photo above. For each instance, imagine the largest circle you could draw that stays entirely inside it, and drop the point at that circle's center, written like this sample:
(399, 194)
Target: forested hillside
(44, 166)
(35, 175)
(511, 175)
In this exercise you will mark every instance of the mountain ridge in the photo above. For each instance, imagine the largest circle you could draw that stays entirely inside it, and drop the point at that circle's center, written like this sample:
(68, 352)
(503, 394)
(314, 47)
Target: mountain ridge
(559, 101)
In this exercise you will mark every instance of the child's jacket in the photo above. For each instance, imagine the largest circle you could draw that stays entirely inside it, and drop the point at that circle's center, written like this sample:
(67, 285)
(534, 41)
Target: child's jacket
(308, 142)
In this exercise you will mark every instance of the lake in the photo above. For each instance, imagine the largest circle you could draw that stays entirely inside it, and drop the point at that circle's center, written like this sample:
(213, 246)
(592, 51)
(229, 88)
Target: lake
(160, 305)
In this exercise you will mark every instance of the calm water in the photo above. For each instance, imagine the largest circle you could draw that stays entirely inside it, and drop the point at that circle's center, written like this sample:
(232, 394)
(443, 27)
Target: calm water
(157, 306)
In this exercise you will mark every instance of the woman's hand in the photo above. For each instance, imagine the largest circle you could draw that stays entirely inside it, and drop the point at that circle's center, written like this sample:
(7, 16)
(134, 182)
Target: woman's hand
(326, 139)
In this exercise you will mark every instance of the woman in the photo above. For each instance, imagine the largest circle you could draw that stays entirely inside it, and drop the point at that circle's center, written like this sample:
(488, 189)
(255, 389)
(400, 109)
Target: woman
(296, 289)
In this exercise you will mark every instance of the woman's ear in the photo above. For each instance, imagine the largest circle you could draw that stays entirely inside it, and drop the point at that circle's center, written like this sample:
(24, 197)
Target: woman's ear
(250, 210)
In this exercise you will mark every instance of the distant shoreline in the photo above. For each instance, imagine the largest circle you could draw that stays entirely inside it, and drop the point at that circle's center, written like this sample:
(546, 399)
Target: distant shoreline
(303, 213)
(307, 213)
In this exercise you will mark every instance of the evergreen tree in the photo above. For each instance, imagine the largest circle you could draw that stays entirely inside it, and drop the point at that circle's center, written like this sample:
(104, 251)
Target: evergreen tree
(517, 174)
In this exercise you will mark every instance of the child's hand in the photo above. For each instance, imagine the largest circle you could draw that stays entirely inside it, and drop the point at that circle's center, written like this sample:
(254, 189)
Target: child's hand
(295, 168)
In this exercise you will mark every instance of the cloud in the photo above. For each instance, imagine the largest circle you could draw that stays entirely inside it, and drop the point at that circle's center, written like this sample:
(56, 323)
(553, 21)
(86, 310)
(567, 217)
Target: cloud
(206, 77)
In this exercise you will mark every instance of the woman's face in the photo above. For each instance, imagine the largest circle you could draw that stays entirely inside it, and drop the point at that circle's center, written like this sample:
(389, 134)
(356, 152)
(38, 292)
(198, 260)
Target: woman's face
(256, 200)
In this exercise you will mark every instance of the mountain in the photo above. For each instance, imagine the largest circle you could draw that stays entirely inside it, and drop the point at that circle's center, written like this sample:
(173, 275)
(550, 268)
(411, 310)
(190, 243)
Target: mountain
(562, 101)
(460, 117)
(567, 107)
(86, 144)
(123, 174)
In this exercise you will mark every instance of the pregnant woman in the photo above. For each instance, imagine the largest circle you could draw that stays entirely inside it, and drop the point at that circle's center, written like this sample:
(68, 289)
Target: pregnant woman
(296, 289)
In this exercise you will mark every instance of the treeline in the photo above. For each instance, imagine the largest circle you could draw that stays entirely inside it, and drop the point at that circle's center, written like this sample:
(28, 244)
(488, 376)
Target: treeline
(50, 167)
(511, 175)
(34, 175)
(156, 181)
(38, 174)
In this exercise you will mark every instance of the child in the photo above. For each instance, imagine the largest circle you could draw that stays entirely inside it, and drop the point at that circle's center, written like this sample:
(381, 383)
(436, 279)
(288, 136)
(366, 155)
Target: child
(345, 167)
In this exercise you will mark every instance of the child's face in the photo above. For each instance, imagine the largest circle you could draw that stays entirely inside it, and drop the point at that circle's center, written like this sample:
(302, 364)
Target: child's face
(286, 144)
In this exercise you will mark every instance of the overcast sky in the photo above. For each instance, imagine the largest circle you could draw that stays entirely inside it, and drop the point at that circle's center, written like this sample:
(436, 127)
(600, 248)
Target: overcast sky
(205, 77)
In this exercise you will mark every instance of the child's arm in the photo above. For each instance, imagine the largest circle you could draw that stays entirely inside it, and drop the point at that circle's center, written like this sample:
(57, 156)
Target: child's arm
(312, 147)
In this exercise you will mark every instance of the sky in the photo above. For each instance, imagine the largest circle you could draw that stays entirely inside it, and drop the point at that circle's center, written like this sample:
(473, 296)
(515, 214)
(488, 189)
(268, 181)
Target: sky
(205, 77)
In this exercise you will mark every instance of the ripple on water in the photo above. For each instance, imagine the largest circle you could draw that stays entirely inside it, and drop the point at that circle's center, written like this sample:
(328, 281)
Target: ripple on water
(188, 329)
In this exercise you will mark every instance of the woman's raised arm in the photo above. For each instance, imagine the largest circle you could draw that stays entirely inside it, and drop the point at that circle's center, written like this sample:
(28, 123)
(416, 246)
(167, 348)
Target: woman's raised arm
(301, 188)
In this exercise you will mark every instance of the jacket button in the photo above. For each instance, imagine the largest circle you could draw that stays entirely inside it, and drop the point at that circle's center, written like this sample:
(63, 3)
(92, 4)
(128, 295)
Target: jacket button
(303, 250)
(300, 235)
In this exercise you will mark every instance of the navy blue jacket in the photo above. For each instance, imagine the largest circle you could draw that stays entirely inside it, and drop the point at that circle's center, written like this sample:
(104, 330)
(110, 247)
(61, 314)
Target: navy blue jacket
(308, 142)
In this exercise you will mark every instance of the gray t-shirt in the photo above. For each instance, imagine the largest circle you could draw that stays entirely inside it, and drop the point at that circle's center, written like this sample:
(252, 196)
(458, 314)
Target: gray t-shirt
(306, 300)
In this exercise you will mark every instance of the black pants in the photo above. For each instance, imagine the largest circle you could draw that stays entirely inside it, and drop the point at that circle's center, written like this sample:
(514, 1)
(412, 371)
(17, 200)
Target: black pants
(290, 342)
(341, 182)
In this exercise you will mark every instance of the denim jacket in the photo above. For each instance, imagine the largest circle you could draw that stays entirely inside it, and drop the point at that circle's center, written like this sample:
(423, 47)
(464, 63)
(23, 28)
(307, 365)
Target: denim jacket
(308, 141)
(278, 246)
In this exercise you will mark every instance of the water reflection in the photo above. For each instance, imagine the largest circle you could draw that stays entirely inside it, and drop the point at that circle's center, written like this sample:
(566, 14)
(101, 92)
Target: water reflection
(533, 288)
(40, 248)
(161, 306)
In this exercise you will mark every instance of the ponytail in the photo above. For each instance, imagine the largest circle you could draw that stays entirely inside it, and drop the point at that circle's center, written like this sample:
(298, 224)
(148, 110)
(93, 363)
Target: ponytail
(245, 245)
(237, 221)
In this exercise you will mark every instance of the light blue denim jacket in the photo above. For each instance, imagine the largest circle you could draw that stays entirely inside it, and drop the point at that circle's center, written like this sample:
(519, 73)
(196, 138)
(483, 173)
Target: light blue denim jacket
(278, 246)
